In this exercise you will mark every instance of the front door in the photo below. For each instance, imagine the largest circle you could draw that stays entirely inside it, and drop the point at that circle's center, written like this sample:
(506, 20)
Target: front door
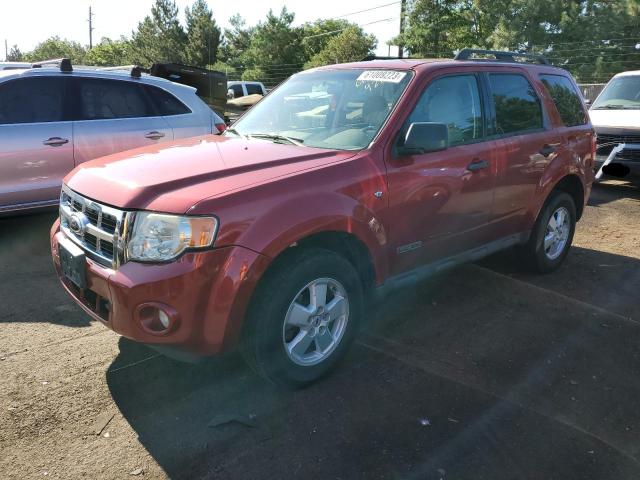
(440, 201)
(36, 140)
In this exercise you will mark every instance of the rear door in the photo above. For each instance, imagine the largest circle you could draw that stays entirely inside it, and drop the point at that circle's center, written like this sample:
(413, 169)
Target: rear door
(36, 139)
(115, 115)
(440, 201)
(183, 120)
(527, 145)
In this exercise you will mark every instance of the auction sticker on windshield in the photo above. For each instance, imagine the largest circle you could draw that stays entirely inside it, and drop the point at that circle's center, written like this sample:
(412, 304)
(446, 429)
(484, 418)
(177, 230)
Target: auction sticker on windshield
(391, 76)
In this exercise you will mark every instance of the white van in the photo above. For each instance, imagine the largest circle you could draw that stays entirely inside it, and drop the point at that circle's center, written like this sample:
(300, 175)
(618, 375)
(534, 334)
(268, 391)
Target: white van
(237, 89)
(615, 115)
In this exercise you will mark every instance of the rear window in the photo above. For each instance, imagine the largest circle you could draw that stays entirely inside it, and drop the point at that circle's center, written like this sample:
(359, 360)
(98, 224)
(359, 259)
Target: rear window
(566, 99)
(166, 103)
(518, 108)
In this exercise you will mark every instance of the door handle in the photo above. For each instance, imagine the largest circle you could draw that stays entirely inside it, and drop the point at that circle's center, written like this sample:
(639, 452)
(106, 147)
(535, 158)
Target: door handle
(154, 135)
(55, 141)
(477, 165)
(547, 150)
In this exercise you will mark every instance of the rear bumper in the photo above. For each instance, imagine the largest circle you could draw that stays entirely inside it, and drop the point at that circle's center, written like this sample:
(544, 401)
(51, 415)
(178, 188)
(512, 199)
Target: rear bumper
(208, 291)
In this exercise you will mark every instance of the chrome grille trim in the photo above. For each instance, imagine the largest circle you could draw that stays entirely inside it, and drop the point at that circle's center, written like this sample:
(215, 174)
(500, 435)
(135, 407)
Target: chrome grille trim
(108, 249)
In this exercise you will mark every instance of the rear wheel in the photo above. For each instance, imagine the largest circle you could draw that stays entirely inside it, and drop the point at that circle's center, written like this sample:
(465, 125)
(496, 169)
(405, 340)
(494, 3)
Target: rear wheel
(552, 234)
(303, 317)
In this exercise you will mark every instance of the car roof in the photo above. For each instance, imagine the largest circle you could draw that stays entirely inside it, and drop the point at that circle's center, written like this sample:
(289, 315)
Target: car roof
(430, 63)
(630, 73)
(92, 73)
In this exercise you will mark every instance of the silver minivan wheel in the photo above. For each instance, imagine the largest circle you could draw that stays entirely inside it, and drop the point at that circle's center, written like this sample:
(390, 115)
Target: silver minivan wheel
(315, 322)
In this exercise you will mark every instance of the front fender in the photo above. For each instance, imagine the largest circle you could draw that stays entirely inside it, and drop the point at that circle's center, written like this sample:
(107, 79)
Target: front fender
(301, 217)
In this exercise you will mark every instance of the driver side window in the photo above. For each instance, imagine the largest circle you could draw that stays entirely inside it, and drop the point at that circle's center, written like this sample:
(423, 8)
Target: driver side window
(454, 101)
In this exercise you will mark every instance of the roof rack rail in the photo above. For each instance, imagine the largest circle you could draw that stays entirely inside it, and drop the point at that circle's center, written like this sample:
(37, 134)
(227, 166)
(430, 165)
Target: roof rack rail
(136, 70)
(369, 58)
(500, 56)
(63, 63)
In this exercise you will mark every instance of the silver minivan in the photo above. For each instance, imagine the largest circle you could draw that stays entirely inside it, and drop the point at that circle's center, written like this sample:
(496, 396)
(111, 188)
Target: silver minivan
(52, 120)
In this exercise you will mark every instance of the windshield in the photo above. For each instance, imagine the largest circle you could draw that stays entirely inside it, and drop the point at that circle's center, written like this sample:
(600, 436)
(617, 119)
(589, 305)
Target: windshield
(620, 93)
(335, 109)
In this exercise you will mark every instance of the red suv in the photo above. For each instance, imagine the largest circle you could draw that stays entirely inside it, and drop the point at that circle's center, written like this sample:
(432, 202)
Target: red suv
(344, 182)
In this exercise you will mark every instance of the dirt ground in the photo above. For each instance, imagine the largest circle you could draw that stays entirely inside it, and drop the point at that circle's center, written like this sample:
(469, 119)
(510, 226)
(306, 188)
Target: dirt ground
(482, 373)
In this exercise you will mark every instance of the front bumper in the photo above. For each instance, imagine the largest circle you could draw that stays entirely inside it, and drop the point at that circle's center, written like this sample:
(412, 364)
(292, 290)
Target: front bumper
(209, 291)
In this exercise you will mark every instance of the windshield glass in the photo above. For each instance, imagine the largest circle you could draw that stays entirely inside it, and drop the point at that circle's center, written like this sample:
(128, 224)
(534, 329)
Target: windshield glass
(335, 109)
(621, 92)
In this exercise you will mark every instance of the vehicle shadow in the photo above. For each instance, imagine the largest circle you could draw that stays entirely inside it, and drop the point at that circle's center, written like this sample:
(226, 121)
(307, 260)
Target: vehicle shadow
(614, 189)
(27, 275)
(461, 357)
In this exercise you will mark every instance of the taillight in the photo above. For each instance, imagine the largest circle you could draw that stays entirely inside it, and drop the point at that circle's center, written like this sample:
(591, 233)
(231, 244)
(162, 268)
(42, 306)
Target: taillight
(594, 148)
(221, 127)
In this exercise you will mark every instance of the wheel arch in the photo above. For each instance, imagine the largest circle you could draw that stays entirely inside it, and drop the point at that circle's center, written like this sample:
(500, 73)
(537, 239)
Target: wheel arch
(572, 185)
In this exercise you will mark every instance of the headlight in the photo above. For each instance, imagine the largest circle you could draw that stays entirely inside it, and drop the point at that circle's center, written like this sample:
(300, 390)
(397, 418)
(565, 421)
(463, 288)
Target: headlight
(158, 237)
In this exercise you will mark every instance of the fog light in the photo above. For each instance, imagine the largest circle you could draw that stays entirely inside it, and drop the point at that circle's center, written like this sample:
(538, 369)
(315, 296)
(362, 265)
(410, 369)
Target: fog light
(156, 318)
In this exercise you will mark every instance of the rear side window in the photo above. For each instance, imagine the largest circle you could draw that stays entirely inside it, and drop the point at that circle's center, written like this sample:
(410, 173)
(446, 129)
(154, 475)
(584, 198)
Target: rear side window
(454, 101)
(109, 99)
(517, 106)
(253, 89)
(32, 100)
(165, 103)
(566, 98)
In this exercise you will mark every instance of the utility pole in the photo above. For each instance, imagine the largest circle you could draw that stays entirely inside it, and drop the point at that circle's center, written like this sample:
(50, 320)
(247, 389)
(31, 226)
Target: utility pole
(90, 29)
(6, 50)
(403, 9)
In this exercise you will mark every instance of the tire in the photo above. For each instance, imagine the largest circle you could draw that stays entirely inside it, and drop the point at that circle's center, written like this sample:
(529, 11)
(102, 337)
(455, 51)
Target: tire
(545, 257)
(287, 335)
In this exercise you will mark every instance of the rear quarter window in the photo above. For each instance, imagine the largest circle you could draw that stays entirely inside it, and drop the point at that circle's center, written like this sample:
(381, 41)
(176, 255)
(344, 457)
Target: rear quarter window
(253, 89)
(566, 99)
(166, 104)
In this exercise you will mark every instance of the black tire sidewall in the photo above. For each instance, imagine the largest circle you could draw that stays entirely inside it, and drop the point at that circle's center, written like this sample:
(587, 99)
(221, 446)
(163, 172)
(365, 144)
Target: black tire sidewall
(270, 310)
(542, 262)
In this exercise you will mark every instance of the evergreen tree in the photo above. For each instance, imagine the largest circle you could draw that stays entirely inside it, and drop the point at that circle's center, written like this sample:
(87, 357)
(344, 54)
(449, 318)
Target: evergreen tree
(159, 37)
(203, 35)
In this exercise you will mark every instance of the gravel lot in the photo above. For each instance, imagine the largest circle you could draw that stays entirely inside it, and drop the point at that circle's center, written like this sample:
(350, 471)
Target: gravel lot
(484, 372)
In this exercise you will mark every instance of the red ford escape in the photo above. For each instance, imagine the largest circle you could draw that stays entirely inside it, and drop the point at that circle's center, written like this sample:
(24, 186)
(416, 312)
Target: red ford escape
(343, 183)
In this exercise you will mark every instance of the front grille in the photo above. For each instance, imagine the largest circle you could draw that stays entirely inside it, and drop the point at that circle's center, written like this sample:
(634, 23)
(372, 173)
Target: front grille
(93, 226)
(606, 143)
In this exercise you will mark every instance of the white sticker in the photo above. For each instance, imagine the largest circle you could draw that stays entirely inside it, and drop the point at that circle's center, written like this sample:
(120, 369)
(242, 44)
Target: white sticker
(391, 76)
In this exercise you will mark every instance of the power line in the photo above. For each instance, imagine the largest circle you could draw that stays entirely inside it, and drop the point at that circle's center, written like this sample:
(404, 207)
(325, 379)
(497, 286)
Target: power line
(368, 9)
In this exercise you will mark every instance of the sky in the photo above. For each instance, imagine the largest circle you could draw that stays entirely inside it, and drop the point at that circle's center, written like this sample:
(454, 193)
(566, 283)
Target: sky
(27, 22)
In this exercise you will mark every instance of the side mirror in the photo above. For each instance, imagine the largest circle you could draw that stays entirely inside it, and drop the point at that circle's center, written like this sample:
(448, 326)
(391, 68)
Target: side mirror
(424, 137)
(230, 94)
(587, 102)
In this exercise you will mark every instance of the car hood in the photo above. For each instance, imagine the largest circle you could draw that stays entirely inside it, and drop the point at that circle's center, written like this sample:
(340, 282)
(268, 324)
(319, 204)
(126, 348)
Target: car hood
(174, 176)
(615, 118)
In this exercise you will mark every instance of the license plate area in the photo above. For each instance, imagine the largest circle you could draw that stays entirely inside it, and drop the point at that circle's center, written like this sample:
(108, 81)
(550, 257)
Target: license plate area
(73, 263)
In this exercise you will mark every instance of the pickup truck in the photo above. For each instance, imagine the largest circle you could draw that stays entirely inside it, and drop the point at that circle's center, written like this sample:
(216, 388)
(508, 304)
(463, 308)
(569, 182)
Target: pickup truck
(344, 183)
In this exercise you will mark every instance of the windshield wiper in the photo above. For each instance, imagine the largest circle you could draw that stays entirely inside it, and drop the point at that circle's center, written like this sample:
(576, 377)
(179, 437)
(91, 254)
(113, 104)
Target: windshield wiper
(278, 138)
(235, 132)
(609, 107)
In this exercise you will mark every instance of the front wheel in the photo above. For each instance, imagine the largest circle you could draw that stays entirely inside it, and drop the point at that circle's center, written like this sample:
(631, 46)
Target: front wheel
(552, 234)
(303, 317)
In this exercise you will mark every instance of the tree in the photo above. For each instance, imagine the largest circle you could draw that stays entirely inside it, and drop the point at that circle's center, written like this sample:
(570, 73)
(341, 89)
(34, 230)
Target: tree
(275, 48)
(316, 35)
(203, 35)
(159, 37)
(350, 45)
(110, 53)
(236, 41)
(54, 47)
(15, 55)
